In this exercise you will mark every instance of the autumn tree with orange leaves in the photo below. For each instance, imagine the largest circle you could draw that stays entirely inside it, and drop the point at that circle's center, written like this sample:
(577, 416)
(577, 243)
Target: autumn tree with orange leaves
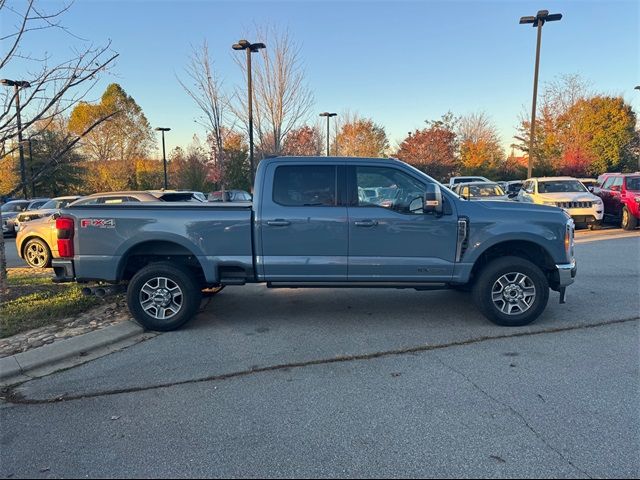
(432, 149)
(304, 141)
(361, 137)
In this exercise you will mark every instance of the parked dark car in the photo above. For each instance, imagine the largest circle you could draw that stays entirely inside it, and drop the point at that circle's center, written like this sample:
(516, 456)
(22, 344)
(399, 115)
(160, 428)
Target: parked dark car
(10, 211)
(620, 193)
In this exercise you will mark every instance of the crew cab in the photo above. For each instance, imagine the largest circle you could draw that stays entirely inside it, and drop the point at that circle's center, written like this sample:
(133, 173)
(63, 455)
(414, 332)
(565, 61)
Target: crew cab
(620, 193)
(309, 227)
(567, 193)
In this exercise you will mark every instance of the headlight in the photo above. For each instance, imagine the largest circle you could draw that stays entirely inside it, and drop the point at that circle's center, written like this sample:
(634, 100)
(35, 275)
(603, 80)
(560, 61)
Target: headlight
(637, 199)
(551, 204)
(598, 201)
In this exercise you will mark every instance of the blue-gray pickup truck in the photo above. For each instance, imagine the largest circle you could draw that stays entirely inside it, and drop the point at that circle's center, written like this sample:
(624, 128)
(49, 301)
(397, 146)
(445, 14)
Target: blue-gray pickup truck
(323, 222)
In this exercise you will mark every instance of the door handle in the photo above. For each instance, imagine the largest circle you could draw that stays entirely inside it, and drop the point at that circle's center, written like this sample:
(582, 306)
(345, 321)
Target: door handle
(365, 223)
(278, 223)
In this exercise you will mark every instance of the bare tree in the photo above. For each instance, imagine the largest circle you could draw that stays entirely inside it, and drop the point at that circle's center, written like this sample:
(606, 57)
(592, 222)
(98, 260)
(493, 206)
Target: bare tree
(53, 88)
(205, 89)
(282, 98)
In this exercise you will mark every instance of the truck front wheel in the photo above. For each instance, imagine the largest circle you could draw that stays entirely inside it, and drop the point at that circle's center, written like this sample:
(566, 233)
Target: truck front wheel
(511, 291)
(163, 296)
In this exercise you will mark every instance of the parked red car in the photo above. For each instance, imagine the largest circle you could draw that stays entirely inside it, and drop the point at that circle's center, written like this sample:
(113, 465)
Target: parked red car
(620, 193)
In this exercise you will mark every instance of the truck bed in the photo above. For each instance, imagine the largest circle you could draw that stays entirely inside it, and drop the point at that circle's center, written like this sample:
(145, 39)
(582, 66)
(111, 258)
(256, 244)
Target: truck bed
(217, 235)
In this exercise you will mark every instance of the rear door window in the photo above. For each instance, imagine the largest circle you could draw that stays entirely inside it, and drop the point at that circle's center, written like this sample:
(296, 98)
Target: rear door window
(305, 186)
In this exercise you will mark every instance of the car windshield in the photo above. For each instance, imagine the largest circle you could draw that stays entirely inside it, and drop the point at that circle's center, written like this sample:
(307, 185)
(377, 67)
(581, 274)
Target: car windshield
(14, 207)
(561, 186)
(488, 190)
(633, 183)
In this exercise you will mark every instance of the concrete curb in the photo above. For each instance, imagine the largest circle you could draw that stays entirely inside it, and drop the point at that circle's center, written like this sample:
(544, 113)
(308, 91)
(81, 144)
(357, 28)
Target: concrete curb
(64, 353)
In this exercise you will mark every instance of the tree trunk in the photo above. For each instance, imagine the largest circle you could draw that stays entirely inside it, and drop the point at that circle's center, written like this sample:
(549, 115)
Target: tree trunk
(4, 287)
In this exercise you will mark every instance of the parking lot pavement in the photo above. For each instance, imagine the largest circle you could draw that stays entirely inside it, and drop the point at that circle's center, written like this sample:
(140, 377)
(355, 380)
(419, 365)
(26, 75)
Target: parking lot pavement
(560, 405)
(13, 260)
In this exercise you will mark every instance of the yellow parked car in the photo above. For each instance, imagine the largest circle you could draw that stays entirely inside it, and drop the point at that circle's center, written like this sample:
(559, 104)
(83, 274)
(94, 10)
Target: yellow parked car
(37, 241)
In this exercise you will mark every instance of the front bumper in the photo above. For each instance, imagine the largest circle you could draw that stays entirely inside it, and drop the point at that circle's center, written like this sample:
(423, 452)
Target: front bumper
(566, 273)
(586, 215)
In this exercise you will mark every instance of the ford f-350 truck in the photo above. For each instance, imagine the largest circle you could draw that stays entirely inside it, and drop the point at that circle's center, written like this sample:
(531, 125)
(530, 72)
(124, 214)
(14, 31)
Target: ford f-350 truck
(311, 224)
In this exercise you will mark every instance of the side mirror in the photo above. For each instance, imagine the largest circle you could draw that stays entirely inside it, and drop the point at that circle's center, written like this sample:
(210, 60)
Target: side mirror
(615, 188)
(433, 199)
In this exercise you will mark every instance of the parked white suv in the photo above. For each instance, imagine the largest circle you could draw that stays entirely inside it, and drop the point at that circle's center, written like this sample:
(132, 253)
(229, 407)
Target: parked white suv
(567, 193)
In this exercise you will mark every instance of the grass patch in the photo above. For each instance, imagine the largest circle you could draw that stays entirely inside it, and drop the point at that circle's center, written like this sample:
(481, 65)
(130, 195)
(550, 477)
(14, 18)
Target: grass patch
(34, 301)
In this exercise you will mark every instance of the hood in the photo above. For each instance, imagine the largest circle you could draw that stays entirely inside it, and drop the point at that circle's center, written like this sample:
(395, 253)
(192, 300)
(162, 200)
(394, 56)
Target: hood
(567, 197)
(510, 209)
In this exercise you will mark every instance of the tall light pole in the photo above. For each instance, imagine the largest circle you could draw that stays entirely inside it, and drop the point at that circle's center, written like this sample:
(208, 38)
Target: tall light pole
(29, 142)
(17, 84)
(250, 48)
(538, 21)
(328, 115)
(164, 155)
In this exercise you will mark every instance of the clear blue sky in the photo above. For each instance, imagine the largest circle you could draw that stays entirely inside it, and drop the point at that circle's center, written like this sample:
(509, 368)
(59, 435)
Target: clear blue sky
(396, 62)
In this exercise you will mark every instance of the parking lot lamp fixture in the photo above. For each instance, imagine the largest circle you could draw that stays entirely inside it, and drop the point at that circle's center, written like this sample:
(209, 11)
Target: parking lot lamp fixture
(17, 85)
(538, 21)
(328, 115)
(250, 48)
(164, 155)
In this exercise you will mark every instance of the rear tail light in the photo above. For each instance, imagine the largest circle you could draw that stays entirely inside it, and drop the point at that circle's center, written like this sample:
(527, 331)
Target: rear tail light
(64, 226)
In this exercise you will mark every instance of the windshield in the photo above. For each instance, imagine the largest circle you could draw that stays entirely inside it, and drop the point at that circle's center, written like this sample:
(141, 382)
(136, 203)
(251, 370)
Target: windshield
(14, 207)
(488, 190)
(633, 183)
(561, 186)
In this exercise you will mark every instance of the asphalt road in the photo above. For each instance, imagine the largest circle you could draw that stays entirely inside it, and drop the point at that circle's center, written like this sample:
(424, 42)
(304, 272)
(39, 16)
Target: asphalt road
(355, 383)
(13, 260)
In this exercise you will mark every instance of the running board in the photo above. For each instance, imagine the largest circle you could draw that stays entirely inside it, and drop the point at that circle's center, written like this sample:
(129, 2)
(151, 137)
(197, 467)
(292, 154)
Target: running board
(233, 281)
(417, 286)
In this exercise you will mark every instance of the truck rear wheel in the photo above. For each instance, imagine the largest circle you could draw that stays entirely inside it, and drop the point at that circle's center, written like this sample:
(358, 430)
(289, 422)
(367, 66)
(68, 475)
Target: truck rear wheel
(163, 296)
(511, 291)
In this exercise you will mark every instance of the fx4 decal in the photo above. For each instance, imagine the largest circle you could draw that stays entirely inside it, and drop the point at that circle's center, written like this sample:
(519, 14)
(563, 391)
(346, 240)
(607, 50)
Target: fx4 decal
(98, 222)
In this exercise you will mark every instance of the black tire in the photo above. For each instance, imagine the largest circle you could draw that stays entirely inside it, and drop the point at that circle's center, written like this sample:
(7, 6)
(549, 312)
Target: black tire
(36, 253)
(177, 297)
(629, 222)
(487, 284)
(595, 226)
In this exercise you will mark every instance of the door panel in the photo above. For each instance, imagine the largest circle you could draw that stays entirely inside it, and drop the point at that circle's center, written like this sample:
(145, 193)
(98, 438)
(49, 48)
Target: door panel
(389, 238)
(303, 228)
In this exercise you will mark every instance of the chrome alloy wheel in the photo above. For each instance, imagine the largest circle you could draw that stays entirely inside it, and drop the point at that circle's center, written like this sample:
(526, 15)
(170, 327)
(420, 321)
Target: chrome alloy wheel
(513, 293)
(161, 298)
(36, 255)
